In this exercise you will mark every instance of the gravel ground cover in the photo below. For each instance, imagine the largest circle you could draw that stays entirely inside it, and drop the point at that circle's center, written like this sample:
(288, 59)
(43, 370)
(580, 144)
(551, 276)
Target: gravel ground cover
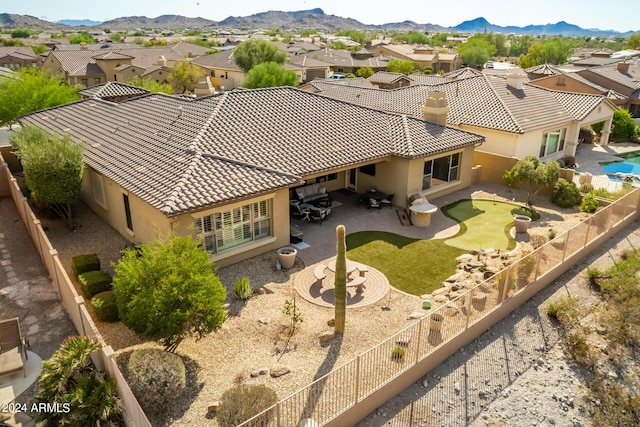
(253, 337)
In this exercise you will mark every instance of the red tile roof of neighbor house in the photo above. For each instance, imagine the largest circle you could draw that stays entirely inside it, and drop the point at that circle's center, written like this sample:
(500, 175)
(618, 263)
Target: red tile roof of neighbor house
(181, 154)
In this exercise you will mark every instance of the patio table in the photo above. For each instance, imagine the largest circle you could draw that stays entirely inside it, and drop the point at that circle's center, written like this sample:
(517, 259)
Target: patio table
(351, 266)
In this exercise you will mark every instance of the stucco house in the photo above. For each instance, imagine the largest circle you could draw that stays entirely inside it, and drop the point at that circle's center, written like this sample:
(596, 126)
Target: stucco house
(16, 57)
(516, 118)
(222, 168)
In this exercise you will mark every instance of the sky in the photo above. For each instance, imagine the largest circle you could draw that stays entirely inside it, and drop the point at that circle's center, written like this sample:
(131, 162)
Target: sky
(615, 15)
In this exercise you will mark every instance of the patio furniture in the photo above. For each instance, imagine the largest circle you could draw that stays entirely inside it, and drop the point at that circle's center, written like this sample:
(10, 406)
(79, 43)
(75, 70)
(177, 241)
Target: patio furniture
(358, 283)
(318, 272)
(387, 200)
(362, 269)
(420, 208)
(297, 209)
(351, 266)
(324, 202)
(310, 193)
(373, 203)
(13, 347)
(318, 214)
(295, 233)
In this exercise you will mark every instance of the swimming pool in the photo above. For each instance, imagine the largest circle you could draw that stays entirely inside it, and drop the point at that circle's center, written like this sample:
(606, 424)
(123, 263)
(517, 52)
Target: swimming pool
(629, 165)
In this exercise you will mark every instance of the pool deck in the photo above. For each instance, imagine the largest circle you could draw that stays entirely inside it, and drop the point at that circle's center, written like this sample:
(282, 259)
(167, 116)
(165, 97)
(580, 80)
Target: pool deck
(589, 156)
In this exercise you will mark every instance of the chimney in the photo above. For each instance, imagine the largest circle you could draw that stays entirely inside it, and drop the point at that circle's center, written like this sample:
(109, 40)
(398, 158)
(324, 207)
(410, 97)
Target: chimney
(204, 87)
(515, 81)
(189, 55)
(436, 108)
(162, 60)
(623, 67)
(83, 46)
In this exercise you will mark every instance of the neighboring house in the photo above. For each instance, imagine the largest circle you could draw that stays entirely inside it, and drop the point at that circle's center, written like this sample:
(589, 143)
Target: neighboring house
(113, 91)
(619, 82)
(6, 73)
(89, 66)
(344, 61)
(388, 80)
(221, 168)
(16, 57)
(424, 56)
(517, 119)
(222, 68)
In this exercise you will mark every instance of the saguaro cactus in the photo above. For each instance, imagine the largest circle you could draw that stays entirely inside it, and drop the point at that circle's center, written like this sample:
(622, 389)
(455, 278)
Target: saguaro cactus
(340, 280)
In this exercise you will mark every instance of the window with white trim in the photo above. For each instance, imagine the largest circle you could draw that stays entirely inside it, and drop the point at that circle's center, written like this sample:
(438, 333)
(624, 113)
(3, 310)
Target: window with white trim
(98, 189)
(552, 142)
(441, 171)
(224, 230)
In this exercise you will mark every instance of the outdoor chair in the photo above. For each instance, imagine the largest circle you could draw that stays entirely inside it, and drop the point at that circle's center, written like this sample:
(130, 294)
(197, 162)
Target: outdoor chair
(318, 214)
(373, 203)
(388, 200)
(13, 348)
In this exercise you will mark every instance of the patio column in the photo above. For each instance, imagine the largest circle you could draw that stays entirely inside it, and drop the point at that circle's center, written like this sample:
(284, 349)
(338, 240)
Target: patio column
(606, 131)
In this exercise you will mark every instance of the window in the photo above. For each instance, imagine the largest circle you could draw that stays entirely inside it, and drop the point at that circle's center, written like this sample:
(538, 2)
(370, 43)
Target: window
(368, 169)
(552, 142)
(84, 82)
(224, 230)
(97, 81)
(326, 178)
(441, 171)
(98, 189)
(127, 211)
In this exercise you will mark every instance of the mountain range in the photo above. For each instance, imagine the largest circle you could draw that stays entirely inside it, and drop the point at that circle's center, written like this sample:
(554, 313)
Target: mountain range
(312, 18)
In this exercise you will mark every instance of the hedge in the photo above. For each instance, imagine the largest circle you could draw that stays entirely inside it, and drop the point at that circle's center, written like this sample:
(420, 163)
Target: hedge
(104, 305)
(84, 263)
(94, 282)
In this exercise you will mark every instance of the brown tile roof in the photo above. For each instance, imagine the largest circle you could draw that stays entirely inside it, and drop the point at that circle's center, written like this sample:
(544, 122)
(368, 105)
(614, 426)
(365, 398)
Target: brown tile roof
(462, 73)
(579, 105)
(629, 79)
(185, 154)
(20, 51)
(112, 89)
(483, 101)
(112, 56)
(543, 70)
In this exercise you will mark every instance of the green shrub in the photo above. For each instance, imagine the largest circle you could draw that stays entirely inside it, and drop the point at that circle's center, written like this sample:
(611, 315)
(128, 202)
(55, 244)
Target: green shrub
(104, 305)
(242, 402)
(70, 378)
(94, 282)
(83, 263)
(565, 193)
(537, 240)
(157, 378)
(589, 203)
(570, 161)
(566, 310)
(243, 288)
(398, 353)
(603, 193)
(586, 188)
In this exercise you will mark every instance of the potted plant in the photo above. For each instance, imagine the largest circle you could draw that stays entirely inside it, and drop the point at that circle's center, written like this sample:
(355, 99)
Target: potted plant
(435, 321)
(287, 256)
(522, 223)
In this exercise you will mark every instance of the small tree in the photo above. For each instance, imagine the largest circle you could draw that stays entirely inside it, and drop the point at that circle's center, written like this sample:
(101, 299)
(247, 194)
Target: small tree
(52, 168)
(242, 402)
(252, 52)
(168, 291)
(151, 85)
(402, 66)
(365, 72)
(623, 127)
(531, 175)
(269, 74)
(31, 91)
(184, 76)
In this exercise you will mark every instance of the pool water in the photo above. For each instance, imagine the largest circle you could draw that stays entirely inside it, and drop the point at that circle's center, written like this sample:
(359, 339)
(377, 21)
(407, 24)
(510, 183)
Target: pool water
(629, 165)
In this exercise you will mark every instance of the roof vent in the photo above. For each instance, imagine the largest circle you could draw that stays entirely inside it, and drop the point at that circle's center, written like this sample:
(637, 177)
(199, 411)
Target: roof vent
(623, 67)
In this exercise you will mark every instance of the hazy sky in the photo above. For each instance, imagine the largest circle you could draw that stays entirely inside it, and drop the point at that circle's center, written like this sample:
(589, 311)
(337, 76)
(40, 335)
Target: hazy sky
(616, 15)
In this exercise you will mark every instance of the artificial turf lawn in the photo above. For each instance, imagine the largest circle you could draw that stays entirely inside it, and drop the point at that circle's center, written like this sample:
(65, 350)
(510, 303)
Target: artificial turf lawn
(413, 266)
(419, 267)
(483, 224)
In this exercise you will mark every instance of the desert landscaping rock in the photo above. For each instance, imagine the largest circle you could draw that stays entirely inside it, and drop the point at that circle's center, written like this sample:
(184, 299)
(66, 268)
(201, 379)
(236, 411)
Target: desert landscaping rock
(279, 370)
(327, 336)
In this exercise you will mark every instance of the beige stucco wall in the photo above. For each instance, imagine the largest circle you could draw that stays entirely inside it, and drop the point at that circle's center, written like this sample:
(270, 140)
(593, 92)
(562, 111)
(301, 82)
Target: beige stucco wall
(230, 79)
(492, 165)
(108, 66)
(570, 85)
(183, 224)
(148, 223)
(465, 176)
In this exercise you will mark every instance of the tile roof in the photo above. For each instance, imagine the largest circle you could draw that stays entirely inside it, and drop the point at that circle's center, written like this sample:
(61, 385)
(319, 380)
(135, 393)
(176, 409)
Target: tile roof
(223, 59)
(462, 73)
(112, 89)
(23, 52)
(629, 79)
(579, 105)
(183, 154)
(344, 58)
(385, 77)
(112, 56)
(484, 101)
(543, 70)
